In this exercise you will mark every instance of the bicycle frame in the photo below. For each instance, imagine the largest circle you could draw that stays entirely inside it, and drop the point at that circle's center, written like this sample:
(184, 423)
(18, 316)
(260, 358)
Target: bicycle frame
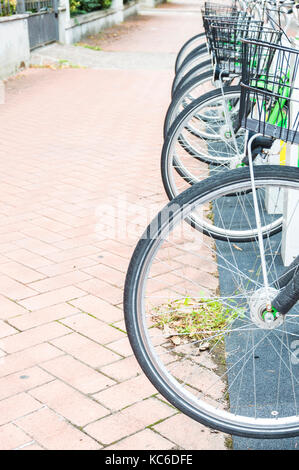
(289, 282)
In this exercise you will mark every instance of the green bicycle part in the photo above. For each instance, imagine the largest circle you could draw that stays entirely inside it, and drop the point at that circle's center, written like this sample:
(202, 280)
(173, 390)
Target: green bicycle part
(273, 311)
(277, 116)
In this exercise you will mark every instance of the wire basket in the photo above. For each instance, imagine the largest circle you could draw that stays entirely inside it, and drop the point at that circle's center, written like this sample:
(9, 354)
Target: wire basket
(269, 12)
(212, 9)
(210, 19)
(270, 90)
(227, 38)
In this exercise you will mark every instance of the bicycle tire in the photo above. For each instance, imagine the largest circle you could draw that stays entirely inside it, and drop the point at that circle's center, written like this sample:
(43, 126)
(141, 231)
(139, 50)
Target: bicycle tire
(171, 165)
(200, 50)
(178, 97)
(150, 358)
(183, 52)
(196, 71)
(189, 111)
(196, 59)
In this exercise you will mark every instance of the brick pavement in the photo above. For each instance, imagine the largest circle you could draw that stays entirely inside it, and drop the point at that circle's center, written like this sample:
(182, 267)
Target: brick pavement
(75, 142)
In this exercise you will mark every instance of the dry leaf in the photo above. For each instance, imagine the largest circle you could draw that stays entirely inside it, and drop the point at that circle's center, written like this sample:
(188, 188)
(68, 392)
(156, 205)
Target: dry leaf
(168, 332)
(176, 340)
(237, 247)
(204, 346)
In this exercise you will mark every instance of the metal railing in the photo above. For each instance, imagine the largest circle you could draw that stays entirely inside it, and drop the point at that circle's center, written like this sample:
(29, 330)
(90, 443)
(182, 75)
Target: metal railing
(7, 7)
(12, 7)
(39, 5)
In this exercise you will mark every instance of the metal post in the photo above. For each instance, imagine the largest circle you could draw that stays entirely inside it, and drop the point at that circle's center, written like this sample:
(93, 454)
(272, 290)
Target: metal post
(21, 6)
(56, 12)
(291, 206)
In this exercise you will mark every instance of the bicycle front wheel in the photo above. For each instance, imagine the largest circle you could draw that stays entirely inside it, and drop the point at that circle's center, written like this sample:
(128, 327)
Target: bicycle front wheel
(201, 135)
(195, 59)
(189, 46)
(196, 71)
(182, 98)
(194, 311)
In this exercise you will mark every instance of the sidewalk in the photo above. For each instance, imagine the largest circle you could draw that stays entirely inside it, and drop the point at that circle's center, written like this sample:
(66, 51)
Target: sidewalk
(74, 142)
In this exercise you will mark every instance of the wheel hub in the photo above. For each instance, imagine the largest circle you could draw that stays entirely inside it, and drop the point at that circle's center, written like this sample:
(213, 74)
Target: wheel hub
(260, 313)
(225, 132)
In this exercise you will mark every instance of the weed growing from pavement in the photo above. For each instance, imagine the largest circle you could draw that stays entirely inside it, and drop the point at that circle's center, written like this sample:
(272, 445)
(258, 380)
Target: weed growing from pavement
(196, 320)
(61, 64)
(88, 46)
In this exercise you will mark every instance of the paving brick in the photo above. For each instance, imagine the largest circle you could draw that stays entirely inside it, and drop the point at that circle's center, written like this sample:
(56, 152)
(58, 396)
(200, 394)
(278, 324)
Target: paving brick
(16, 406)
(144, 440)
(36, 246)
(121, 325)
(6, 330)
(42, 234)
(122, 346)
(93, 328)
(74, 406)
(117, 262)
(42, 316)
(49, 224)
(27, 358)
(14, 289)
(98, 308)
(54, 433)
(189, 434)
(80, 376)
(103, 290)
(33, 446)
(126, 393)
(175, 34)
(117, 247)
(28, 259)
(112, 276)
(76, 242)
(22, 381)
(151, 410)
(33, 337)
(87, 351)
(126, 422)
(57, 282)
(52, 298)
(11, 437)
(20, 272)
(65, 255)
(54, 269)
(123, 369)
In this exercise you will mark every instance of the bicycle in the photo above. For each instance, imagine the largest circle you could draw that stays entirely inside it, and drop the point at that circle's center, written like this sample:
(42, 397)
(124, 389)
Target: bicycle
(197, 61)
(212, 323)
(202, 78)
(206, 137)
